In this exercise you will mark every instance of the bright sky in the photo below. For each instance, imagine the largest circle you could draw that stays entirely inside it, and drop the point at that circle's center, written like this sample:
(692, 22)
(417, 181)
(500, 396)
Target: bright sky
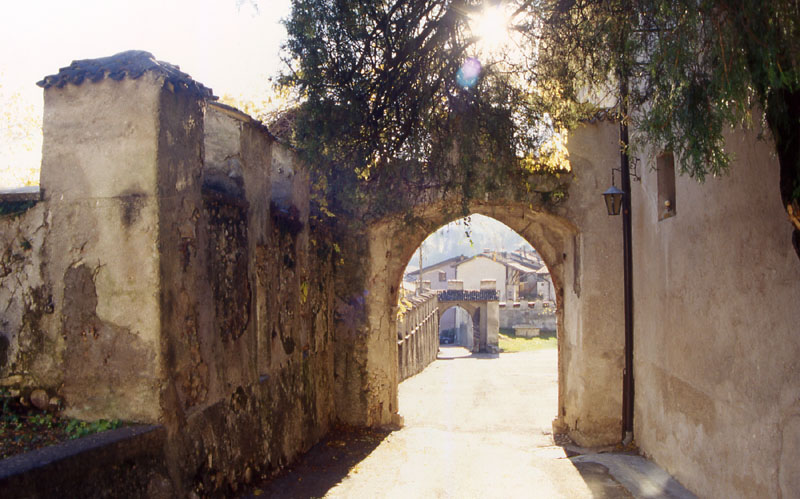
(451, 240)
(229, 45)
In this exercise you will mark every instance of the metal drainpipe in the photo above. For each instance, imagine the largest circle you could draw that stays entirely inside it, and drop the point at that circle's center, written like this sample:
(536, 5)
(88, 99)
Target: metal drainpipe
(627, 262)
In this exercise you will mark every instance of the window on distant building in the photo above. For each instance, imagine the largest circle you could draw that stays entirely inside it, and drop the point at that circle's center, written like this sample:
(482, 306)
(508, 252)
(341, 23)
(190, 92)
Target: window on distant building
(442, 276)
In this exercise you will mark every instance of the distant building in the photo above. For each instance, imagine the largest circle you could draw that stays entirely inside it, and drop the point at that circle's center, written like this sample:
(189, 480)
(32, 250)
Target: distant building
(438, 274)
(544, 285)
(481, 267)
(522, 270)
(520, 273)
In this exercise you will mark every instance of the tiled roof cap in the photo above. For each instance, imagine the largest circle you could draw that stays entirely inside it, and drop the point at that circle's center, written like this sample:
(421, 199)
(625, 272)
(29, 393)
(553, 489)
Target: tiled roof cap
(130, 64)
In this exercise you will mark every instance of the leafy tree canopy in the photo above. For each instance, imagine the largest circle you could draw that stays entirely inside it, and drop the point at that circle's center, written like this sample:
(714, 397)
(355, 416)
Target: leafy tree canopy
(404, 90)
(408, 87)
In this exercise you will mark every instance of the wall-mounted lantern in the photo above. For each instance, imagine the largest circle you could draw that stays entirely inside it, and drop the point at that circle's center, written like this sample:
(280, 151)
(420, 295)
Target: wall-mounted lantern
(613, 198)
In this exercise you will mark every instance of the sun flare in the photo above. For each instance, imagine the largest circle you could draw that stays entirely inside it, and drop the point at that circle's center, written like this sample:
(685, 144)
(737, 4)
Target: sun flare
(491, 28)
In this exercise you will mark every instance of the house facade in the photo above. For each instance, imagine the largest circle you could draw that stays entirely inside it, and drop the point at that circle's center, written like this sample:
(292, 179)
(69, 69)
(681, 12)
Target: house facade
(481, 267)
(437, 274)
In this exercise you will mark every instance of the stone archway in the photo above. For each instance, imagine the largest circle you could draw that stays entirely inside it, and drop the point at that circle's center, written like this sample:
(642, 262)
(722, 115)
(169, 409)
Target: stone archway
(483, 312)
(572, 236)
(464, 339)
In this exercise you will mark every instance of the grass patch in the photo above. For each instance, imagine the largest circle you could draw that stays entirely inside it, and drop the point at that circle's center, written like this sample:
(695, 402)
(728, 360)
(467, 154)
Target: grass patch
(510, 343)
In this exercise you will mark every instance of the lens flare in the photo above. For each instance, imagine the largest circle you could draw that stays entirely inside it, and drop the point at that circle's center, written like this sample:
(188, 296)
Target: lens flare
(469, 72)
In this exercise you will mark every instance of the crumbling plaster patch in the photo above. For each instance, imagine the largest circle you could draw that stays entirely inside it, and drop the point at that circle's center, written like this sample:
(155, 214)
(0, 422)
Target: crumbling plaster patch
(28, 346)
(104, 364)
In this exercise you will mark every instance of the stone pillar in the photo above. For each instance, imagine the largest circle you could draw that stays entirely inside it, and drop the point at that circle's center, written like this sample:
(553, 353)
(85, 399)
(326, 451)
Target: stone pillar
(492, 326)
(365, 355)
(488, 284)
(588, 294)
(110, 184)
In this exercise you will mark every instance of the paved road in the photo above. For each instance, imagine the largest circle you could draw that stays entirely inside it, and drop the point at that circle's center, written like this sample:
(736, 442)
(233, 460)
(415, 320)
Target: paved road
(475, 427)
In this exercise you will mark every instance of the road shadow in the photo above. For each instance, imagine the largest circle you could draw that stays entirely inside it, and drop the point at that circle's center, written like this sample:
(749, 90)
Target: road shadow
(609, 473)
(323, 467)
(455, 352)
(600, 482)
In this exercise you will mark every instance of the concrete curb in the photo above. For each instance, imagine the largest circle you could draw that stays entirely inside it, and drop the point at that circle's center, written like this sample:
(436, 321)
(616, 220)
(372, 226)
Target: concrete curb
(118, 462)
(644, 479)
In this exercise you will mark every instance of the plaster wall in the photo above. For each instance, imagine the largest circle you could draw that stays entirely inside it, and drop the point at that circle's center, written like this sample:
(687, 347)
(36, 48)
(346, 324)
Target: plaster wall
(545, 289)
(717, 308)
(100, 182)
(434, 277)
(472, 271)
(589, 295)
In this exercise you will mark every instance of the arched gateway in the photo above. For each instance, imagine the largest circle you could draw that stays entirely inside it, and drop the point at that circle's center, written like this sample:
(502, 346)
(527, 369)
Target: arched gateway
(581, 246)
(483, 309)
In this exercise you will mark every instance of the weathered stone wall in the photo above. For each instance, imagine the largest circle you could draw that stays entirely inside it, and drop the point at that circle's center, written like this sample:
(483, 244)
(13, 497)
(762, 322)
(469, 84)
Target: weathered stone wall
(527, 312)
(100, 182)
(250, 382)
(717, 319)
(168, 275)
(417, 335)
(25, 346)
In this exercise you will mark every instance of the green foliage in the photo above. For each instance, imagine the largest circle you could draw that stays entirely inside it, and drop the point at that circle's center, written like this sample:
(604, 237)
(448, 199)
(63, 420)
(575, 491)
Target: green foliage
(385, 108)
(381, 90)
(8, 416)
(24, 427)
(694, 69)
(77, 428)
